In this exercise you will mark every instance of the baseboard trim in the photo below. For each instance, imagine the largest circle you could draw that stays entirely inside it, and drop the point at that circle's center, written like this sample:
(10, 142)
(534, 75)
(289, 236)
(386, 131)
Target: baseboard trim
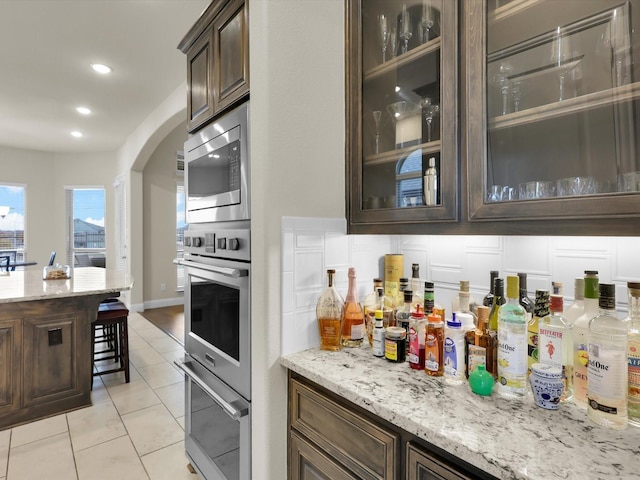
(164, 302)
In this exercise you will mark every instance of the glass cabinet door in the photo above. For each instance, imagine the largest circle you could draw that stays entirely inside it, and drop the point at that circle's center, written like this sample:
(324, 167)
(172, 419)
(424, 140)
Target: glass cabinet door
(402, 110)
(553, 91)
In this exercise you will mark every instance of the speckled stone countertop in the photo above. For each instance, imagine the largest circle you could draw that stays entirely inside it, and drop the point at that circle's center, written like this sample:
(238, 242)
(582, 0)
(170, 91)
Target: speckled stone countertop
(28, 285)
(508, 439)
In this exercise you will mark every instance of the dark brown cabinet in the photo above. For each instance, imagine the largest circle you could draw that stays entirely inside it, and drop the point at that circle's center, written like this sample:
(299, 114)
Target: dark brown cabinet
(421, 465)
(217, 49)
(10, 343)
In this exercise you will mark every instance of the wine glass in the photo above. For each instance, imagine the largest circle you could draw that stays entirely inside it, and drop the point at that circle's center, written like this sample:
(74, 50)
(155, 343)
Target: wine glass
(405, 29)
(377, 115)
(427, 20)
(430, 111)
(393, 42)
(516, 93)
(501, 79)
(561, 57)
(383, 34)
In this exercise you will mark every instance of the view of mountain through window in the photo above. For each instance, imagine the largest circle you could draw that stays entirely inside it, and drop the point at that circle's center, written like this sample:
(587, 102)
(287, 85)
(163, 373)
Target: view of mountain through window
(86, 217)
(12, 220)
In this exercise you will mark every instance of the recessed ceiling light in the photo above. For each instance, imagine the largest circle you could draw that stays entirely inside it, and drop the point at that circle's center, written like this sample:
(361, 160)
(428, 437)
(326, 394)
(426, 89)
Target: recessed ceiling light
(98, 67)
(83, 110)
(76, 134)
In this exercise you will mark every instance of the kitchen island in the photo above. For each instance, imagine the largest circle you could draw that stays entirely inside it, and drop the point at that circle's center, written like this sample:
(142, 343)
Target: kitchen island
(45, 332)
(506, 439)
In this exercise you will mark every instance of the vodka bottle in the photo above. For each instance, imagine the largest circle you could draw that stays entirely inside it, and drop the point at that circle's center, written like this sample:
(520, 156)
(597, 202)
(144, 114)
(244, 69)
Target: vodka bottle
(607, 370)
(577, 307)
(353, 318)
(487, 301)
(329, 311)
(540, 310)
(512, 344)
(633, 357)
(524, 300)
(580, 338)
(555, 344)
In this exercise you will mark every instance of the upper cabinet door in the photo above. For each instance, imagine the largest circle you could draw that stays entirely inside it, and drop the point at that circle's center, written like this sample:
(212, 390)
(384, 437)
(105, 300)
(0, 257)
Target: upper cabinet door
(199, 81)
(553, 96)
(231, 61)
(402, 111)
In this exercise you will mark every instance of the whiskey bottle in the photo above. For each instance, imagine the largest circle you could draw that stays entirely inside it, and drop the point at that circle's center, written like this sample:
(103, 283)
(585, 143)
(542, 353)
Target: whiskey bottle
(329, 311)
(481, 345)
(353, 318)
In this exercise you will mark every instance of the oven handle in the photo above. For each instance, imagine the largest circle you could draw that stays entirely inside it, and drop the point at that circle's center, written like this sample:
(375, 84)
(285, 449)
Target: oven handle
(229, 272)
(229, 409)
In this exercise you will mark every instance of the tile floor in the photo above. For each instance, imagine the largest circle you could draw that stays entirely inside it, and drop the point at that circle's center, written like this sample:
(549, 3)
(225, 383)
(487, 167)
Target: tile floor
(132, 431)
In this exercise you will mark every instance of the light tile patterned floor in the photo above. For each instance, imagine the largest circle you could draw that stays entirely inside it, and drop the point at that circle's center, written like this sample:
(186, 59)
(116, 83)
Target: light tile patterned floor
(132, 431)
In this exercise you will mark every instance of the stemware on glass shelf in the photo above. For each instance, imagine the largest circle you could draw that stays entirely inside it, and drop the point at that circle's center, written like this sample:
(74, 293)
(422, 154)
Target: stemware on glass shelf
(561, 56)
(501, 79)
(427, 20)
(383, 34)
(377, 115)
(405, 29)
(430, 110)
(393, 42)
(570, 186)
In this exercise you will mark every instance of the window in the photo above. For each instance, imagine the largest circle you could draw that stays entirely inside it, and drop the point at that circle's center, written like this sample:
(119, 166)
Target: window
(12, 222)
(180, 228)
(409, 180)
(85, 227)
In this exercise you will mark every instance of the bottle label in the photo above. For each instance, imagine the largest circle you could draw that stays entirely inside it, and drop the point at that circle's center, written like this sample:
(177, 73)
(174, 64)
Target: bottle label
(532, 344)
(607, 372)
(550, 341)
(432, 354)
(357, 331)
(391, 350)
(512, 358)
(580, 362)
(477, 356)
(450, 357)
(414, 346)
(378, 342)
(633, 358)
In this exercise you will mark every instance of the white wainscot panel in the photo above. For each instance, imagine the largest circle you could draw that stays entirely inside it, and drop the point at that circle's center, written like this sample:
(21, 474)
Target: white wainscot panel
(308, 269)
(309, 240)
(567, 267)
(288, 292)
(337, 251)
(309, 224)
(447, 251)
(337, 225)
(306, 299)
(287, 251)
(414, 241)
(411, 256)
(477, 267)
(582, 244)
(299, 332)
(367, 265)
(526, 254)
(449, 277)
(484, 242)
(540, 282)
(627, 254)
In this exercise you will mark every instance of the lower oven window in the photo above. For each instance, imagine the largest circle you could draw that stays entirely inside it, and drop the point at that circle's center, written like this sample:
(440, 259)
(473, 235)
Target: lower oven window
(215, 312)
(216, 432)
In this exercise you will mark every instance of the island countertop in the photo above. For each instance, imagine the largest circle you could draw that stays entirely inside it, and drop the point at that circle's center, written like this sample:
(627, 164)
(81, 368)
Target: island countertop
(28, 285)
(510, 439)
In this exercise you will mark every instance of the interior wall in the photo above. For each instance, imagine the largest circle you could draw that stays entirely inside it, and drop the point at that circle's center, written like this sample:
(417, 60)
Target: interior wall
(297, 169)
(159, 224)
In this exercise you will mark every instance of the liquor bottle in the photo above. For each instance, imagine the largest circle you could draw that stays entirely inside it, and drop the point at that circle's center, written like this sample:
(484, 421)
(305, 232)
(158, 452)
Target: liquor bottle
(417, 336)
(498, 301)
(429, 297)
(329, 311)
(577, 307)
(633, 356)
(454, 371)
(378, 335)
(607, 387)
(524, 300)
(403, 284)
(403, 314)
(481, 345)
(512, 344)
(433, 350)
(487, 301)
(431, 184)
(555, 342)
(353, 323)
(580, 338)
(556, 288)
(374, 301)
(416, 286)
(540, 310)
(463, 308)
(455, 301)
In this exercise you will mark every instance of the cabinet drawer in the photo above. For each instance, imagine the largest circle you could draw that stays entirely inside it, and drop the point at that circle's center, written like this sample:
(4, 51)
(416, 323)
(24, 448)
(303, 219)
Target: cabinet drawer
(362, 446)
(422, 465)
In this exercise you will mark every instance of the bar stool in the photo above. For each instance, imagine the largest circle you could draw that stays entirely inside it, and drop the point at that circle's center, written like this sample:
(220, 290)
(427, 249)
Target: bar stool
(112, 322)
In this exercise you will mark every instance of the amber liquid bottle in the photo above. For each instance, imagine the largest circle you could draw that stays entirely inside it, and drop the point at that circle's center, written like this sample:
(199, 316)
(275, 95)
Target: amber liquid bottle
(329, 312)
(434, 346)
(481, 345)
(353, 318)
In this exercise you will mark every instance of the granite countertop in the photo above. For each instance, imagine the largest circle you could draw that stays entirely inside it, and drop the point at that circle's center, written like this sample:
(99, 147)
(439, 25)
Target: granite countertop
(508, 439)
(28, 285)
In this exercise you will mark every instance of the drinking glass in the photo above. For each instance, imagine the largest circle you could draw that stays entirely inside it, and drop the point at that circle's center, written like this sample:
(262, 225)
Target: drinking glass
(561, 57)
(383, 34)
(495, 193)
(393, 42)
(430, 110)
(501, 79)
(427, 21)
(377, 115)
(405, 29)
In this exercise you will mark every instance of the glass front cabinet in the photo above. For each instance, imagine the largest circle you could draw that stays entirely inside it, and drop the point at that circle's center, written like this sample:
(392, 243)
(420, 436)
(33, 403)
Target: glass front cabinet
(537, 134)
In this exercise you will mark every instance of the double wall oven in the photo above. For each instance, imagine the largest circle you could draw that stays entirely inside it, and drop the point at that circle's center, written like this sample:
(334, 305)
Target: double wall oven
(217, 266)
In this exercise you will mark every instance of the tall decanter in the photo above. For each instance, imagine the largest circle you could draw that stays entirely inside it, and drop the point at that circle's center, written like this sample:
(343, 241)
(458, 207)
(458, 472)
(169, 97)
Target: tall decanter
(329, 311)
(580, 338)
(353, 324)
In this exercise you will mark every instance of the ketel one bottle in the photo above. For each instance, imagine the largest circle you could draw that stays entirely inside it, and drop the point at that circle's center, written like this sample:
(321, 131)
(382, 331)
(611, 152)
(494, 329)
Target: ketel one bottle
(417, 337)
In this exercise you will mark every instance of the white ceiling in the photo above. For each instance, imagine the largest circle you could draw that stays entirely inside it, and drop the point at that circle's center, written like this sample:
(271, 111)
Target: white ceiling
(46, 48)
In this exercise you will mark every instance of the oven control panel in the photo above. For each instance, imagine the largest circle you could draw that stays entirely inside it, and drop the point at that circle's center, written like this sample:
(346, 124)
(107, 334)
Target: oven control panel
(221, 243)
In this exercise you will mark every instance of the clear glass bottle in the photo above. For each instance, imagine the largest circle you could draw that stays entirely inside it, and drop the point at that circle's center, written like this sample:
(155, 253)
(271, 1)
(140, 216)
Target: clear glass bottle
(524, 300)
(434, 346)
(403, 284)
(498, 301)
(353, 323)
(512, 343)
(329, 312)
(481, 345)
(416, 286)
(464, 300)
(487, 301)
(473, 303)
(374, 301)
(378, 335)
(540, 310)
(403, 314)
(555, 342)
(581, 340)
(607, 387)
(556, 288)
(573, 311)
(633, 357)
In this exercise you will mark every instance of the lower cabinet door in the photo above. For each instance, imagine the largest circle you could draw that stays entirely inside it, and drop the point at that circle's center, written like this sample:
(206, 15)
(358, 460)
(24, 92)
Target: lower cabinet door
(309, 463)
(10, 338)
(423, 466)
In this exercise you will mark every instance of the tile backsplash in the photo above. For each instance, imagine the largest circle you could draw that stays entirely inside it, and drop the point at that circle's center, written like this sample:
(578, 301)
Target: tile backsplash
(312, 245)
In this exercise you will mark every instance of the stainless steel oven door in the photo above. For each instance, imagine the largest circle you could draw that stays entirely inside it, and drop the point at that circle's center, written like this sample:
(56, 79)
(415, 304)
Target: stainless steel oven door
(217, 426)
(217, 319)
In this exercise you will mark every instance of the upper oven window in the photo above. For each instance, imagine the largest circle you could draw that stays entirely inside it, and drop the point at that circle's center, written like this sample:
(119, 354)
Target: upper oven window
(215, 315)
